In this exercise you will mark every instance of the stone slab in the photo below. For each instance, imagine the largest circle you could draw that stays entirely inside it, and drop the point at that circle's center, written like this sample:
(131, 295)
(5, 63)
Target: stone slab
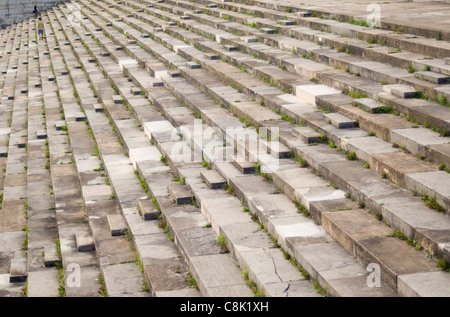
(432, 77)
(43, 284)
(19, 272)
(435, 184)
(340, 121)
(117, 224)
(395, 257)
(147, 209)
(401, 91)
(124, 280)
(180, 193)
(213, 179)
(424, 284)
(218, 275)
(84, 241)
(338, 273)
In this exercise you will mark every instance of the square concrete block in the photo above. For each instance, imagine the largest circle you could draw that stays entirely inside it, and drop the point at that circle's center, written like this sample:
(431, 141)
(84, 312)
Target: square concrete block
(180, 193)
(249, 39)
(136, 90)
(41, 134)
(21, 143)
(174, 73)
(147, 209)
(340, 121)
(18, 272)
(117, 224)
(244, 166)
(230, 48)
(3, 151)
(213, 179)
(84, 241)
(117, 99)
(193, 65)
(401, 91)
(98, 107)
(211, 56)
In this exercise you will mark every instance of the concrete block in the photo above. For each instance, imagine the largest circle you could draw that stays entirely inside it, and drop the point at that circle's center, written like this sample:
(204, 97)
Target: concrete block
(401, 91)
(424, 284)
(432, 77)
(84, 241)
(117, 224)
(147, 209)
(213, 179)
(180, 193)
(340, 121)
(18, 272)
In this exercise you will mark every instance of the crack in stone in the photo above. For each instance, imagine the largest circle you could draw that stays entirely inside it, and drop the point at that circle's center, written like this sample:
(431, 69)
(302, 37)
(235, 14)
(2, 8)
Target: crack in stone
(275, 268)
(287, 289)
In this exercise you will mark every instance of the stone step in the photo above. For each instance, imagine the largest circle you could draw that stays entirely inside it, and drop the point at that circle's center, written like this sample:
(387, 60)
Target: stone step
(50, 255)
(148, 209)
(213, 179)
(340, 121)
(84, 241)
(401, 91)
(180, 193)
(19, 271)
(306, 134)
(369, 105)
(244, 166)
(432, 77)
(117, 224)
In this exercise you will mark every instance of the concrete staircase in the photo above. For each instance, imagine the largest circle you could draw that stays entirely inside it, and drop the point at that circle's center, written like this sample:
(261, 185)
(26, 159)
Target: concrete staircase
(211, 148)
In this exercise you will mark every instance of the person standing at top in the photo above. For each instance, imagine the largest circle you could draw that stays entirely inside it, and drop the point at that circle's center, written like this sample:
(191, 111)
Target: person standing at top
(41, 29)
(35, 11)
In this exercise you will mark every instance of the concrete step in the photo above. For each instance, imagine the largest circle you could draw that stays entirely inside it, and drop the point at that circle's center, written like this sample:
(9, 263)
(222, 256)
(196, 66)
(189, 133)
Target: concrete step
(84, 240)
(401, 91)
(213, 179)
(432, 77)
(148, 209)
(19, 271)
(339, 121)
(306, 134)
(117, 224)
(180, 193)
